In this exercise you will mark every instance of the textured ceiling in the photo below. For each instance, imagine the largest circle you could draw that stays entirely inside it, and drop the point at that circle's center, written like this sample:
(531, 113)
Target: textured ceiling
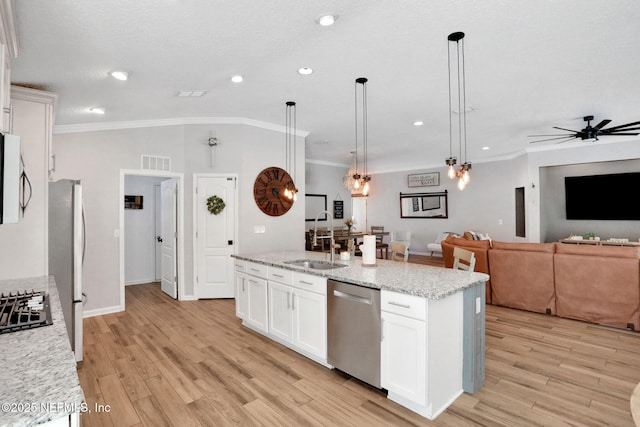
(530, 65)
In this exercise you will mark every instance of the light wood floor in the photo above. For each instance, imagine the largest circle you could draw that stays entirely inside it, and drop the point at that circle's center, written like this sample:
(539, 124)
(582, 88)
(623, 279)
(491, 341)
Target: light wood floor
(163, 362)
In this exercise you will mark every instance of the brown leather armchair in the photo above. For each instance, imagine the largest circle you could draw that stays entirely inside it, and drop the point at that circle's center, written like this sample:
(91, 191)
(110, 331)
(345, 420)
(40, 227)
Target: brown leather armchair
(480, 249)
(599, 284)
(522, 276)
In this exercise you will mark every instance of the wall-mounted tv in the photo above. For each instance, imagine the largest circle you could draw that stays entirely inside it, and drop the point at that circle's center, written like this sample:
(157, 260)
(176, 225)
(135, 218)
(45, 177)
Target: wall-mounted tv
(603, 197)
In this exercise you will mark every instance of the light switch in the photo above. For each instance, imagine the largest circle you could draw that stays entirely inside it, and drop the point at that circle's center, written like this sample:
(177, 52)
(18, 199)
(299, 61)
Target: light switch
(259, 229)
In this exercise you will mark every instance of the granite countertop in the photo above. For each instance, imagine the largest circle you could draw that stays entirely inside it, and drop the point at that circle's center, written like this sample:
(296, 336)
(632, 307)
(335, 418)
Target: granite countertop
(409, 278)
(39, 377)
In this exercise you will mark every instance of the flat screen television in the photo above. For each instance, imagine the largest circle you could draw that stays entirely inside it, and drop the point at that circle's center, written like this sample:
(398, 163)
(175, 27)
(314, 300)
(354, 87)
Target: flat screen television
(603, 197)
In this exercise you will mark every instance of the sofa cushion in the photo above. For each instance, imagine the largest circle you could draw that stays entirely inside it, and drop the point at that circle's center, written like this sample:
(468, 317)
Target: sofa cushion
(522, 276)
(459, 241)
(528, 247)
(598, 283)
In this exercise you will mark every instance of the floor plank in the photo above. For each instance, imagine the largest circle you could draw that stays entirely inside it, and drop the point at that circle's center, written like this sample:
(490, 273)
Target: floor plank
(169, 363)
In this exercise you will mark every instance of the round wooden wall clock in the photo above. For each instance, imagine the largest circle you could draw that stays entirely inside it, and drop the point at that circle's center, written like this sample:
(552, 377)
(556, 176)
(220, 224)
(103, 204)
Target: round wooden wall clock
(268, 191)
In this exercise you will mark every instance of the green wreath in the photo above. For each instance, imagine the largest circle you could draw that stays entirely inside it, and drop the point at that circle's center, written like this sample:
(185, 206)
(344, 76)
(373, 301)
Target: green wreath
(215, 205)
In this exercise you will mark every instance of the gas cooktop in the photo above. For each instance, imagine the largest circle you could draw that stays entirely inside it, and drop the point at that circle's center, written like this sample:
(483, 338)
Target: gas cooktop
(24, 310)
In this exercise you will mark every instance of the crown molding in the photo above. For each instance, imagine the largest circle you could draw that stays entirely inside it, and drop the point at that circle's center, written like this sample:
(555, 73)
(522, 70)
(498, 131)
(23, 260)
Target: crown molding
(34, 95)
(134, 124)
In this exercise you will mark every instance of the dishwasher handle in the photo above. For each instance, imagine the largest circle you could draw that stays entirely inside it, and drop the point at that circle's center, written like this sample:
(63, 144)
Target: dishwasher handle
(351, 297)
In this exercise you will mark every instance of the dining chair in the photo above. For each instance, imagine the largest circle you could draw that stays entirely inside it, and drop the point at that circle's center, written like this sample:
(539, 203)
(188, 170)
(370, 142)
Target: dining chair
(399, 252)
(403, 237)
(380, 245)
(463, 259)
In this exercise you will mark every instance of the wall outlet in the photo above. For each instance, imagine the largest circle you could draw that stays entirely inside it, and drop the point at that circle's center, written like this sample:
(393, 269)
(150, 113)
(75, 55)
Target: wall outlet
(259, 229)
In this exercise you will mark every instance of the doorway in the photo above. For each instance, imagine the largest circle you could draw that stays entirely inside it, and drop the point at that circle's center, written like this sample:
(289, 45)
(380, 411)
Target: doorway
(171, 249)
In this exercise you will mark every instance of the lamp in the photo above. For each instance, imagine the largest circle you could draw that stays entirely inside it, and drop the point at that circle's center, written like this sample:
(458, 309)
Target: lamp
(290, 192)
(364, 179)
(462, 173)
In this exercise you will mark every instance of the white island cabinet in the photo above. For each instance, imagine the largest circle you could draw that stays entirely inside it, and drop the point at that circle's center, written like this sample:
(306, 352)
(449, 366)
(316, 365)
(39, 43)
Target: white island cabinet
(422, 351)
(432, 320)
(298, 312)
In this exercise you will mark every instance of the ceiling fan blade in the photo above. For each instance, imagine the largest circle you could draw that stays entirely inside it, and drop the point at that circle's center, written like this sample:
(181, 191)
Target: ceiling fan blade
(618, 133)
(602, 124)
(607, 131)
(560, 142)
(568, 130)
(565, 137)
(621, 127)
(553, 134)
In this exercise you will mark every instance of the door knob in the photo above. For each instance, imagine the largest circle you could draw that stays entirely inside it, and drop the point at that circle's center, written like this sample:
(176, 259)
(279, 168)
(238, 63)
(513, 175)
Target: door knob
(159, 239)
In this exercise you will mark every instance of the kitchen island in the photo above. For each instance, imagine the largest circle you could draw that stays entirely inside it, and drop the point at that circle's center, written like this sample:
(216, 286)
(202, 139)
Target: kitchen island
(432, 318)
(39, 383)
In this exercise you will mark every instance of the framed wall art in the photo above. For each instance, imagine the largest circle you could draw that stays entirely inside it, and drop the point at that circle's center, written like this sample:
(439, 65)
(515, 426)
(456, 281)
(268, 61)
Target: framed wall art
(430, 179)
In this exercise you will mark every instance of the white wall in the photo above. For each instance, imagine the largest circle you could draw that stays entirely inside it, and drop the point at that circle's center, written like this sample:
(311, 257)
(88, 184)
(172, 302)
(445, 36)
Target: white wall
(140, 231)
(97, 158)
(327, 180)
(488, 200)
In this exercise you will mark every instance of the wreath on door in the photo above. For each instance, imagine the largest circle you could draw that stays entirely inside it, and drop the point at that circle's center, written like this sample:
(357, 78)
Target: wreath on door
(215, 205)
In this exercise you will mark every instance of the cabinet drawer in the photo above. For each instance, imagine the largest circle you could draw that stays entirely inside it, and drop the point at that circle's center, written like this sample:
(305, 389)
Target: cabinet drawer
(259, 270)
(239, 265)
(404, 304)
(281, 275)
(310, 283)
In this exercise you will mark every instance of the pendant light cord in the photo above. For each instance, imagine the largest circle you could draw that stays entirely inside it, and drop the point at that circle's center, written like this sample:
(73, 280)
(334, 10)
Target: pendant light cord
(364, 127)
(464, 102)
(450, 111)
(355, 92)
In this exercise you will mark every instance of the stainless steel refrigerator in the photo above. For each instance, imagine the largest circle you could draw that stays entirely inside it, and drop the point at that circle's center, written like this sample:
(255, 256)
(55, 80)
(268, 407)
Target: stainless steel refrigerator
(66, 253)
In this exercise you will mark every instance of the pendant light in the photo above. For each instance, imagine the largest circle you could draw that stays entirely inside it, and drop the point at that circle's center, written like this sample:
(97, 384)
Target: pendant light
(462, 173)
(348, 181)
(290, 192)
(362, 116)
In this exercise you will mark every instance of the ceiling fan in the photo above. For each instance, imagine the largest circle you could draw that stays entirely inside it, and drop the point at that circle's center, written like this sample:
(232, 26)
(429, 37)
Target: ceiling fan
(591, 132)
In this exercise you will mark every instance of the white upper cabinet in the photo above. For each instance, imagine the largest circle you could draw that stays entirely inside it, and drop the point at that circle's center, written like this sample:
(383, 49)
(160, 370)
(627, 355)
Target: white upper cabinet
(8, 51)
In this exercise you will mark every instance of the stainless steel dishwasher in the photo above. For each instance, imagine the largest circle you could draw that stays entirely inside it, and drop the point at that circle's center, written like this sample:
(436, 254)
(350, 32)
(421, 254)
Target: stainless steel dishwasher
(353, 330)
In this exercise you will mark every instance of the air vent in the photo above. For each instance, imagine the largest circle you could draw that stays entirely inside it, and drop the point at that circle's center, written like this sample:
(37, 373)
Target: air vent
(155, 163)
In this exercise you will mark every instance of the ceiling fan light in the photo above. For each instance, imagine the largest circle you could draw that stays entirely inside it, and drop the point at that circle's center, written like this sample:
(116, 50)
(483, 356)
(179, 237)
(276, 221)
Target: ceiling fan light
(120, 75)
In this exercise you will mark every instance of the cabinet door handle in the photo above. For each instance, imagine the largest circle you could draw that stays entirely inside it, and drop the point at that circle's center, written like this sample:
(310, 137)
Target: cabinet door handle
(254, 269)
(304, 282)
(293, 301)
(381, 329)
(280, 276)
(243, 286)
(399, 304)
(288, 304)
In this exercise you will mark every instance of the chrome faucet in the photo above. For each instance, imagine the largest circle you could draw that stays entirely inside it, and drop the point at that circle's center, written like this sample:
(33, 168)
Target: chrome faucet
(332, 242)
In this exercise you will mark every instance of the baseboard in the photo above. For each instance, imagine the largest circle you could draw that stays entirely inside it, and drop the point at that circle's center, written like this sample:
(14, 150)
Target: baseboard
(188, 298)
(435, 255)
(140, 282)
(101, 311)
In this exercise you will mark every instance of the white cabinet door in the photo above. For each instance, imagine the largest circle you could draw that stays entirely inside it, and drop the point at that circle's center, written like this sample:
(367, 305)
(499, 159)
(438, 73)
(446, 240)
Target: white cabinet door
(281, 311)
(404, 357)
(242, 298)
(257, 303)
(310, 311)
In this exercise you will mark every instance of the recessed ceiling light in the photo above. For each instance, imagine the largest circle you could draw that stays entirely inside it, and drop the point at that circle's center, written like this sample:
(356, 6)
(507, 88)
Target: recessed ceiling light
(305, 71)
(486, 147)
(418, 123)
(96, 110)
(327, 19)
(120, 75)
(237, 78)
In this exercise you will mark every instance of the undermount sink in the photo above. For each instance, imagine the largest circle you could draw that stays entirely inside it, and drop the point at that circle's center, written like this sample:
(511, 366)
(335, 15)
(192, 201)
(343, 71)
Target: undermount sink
(315, 264)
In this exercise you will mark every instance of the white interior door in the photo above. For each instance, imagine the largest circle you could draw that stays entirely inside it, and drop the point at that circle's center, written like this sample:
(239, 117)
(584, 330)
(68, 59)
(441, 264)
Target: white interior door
(215, 236)
(169, 235)
(158, 230)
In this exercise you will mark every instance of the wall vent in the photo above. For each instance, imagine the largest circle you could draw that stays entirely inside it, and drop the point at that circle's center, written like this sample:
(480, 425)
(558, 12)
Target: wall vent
(155, 163)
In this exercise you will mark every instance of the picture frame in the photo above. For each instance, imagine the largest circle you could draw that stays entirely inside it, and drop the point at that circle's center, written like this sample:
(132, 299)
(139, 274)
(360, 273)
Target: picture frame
(314, 204)
(338, 209)
(429, 179)
(133, 202)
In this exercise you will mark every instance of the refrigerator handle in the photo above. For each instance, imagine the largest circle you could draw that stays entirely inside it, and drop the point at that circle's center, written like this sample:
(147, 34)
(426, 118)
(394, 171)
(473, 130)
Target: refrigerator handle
(84, 235)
